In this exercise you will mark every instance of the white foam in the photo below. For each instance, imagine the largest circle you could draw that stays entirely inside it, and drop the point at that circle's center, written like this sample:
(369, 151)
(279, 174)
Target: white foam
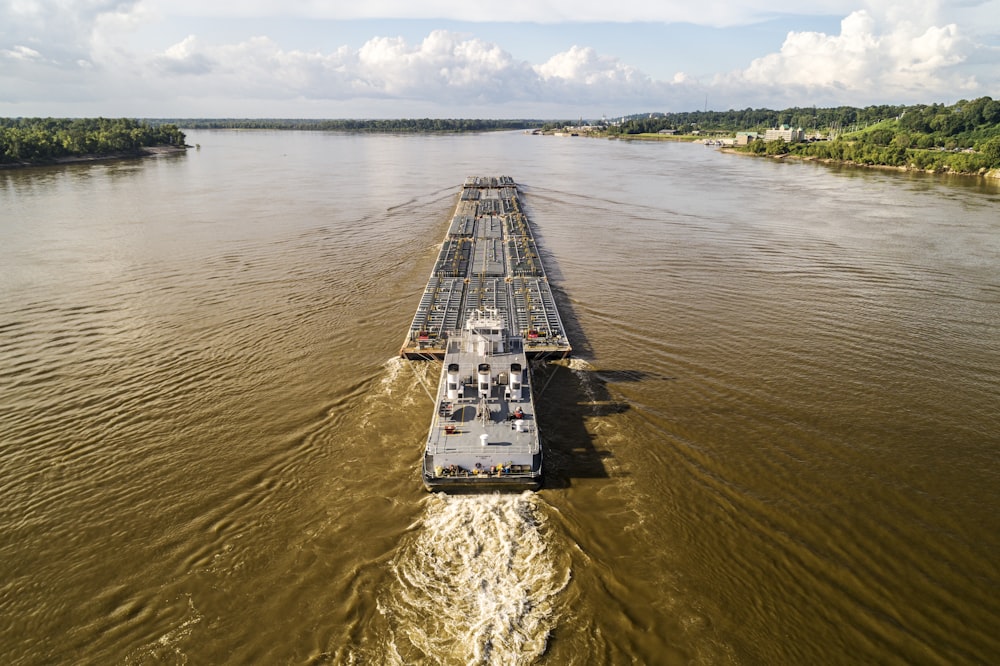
(586, 375)
(393, 367)
(168, 646)
(476, 582)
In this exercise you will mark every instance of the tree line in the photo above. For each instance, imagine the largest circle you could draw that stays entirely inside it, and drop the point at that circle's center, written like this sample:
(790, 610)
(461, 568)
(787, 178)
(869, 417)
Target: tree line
(754, 119)
(39, 140)
(964, 137)
(963, 117)
(359, 125)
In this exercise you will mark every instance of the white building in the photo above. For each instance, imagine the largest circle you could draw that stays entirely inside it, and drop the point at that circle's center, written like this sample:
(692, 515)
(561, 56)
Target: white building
(785, 132)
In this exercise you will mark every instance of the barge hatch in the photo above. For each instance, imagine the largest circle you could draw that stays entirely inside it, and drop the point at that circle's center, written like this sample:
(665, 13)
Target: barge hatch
(488, 260)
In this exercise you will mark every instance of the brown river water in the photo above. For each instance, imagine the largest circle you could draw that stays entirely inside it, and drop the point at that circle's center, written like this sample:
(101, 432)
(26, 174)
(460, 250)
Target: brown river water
(778, 441)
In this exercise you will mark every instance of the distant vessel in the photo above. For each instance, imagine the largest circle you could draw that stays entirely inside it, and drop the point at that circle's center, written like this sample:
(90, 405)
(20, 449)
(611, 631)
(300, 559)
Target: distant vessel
(487, 309)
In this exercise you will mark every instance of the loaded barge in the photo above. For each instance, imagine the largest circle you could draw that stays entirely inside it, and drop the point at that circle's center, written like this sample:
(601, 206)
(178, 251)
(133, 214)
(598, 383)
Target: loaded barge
(486, 311)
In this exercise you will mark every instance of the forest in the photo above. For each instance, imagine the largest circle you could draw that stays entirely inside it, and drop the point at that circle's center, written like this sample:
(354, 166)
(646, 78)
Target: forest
(962, 137)
(887, 146)
(355, 125)
(42, 140)
(927, 118)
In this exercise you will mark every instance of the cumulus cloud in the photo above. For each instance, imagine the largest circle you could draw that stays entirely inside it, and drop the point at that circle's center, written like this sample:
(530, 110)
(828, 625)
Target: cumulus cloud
(184, 57)
(585, 65)
(907, 60)
(445, 67)
(815, 59)
(584, 76)
(20, 52)
(442, 62)
(885, 51)
(62, 32)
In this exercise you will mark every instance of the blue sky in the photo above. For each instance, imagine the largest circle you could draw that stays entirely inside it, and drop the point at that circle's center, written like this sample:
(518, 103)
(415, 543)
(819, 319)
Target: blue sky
(515, 59)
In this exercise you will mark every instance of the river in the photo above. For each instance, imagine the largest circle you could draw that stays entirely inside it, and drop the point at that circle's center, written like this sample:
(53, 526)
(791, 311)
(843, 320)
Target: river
(776, 443)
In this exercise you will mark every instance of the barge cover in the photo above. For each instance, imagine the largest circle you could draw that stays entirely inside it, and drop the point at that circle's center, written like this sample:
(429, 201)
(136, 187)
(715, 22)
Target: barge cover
(488, 260)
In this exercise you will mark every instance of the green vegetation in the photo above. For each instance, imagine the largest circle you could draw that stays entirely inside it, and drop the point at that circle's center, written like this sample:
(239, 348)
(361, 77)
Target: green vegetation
(887, 147)
(554, 125)
(397, 125)
(728, 122)
(963, 137)
(956, 140)
(41, 140)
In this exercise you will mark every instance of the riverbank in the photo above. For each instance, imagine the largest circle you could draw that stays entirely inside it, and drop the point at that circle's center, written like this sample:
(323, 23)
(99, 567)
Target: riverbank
(148, 151)
(991, 174)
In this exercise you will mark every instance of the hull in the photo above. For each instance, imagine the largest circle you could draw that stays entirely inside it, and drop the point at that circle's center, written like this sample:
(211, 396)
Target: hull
(457, 487)
(501, 482)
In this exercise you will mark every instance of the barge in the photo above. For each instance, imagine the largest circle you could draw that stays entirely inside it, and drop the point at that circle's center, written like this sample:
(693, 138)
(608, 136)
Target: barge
(487, 311)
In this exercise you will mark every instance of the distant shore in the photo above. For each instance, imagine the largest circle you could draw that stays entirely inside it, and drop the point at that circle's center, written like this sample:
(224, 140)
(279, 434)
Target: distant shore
(148, 151)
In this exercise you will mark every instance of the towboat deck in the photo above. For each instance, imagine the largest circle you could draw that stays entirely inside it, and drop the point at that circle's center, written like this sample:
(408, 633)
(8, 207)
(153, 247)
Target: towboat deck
(488, 260)
(483, 432)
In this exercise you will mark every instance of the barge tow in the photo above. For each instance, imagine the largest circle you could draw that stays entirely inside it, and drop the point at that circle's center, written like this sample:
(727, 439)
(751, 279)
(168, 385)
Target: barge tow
(487, 312)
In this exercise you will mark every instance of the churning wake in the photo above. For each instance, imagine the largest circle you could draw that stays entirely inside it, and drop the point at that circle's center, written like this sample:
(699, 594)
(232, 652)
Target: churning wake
(475, 582)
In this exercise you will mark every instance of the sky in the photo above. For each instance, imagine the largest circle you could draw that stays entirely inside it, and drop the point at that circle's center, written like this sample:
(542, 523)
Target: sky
(540, 59)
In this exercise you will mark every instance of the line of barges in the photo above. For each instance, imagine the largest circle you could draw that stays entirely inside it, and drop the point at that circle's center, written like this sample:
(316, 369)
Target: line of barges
(487, 311)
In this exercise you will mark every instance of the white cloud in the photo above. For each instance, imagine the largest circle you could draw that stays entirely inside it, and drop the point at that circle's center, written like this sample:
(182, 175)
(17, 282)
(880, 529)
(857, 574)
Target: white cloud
(65, 51)
(444, 67)
(907, 61)
(184, 58)
(20, 52)
(583, 76)
(61, 30)
(585, 66)
(816, 59)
